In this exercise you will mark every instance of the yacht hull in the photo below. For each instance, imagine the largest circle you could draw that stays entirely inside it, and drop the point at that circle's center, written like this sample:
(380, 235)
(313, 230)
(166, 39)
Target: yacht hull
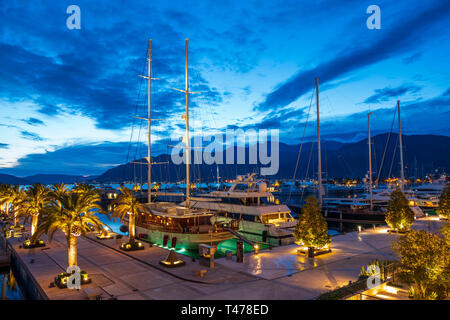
(265, 233)
(188, 241)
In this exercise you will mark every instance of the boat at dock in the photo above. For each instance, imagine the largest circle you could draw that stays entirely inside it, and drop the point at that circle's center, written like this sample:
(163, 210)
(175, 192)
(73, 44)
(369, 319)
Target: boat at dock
(171, 225)
(181, 226)
(248, 201)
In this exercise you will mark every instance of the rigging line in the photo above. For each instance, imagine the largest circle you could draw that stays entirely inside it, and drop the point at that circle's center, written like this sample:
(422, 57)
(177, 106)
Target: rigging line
(393, 157)
(386, 146)
(136, 108)
(301, 145)
(307, 168)
(336, 119)
(132, 127)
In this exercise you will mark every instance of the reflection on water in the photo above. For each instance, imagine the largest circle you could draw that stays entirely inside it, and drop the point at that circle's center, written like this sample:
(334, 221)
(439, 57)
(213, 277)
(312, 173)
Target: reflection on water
(9, 289)
(114, 225)
(222, 248)
(332, 232)
(257, 266)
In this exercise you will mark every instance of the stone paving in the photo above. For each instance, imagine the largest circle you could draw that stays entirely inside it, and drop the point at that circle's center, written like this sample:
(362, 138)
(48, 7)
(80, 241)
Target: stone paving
(271, 274)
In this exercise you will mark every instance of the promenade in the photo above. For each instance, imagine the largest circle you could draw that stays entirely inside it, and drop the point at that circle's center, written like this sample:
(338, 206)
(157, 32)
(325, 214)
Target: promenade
(271, 274)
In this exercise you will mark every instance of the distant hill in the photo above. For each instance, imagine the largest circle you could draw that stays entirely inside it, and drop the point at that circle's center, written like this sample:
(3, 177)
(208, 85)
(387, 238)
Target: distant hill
(44, 179)
(57, 178)
(10, 179)
(422, 154)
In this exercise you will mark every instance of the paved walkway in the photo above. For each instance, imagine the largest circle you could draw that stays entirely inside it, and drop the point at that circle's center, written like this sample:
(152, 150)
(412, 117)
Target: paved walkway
(272, 274)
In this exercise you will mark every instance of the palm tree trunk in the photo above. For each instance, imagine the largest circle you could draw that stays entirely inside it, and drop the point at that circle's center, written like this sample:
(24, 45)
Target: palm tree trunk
(72, 250)
(34, 223)
(131, 228)
(15, 215)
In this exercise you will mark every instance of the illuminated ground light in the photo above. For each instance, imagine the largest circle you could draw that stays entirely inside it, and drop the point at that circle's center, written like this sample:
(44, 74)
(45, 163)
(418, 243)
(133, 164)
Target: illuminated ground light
(302, 250)
(130, 247)
(104, 236)
(62, 278)
(37, 244)
(172, 260)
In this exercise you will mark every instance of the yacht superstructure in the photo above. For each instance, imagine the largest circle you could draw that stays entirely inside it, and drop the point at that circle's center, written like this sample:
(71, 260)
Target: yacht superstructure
(248, 201)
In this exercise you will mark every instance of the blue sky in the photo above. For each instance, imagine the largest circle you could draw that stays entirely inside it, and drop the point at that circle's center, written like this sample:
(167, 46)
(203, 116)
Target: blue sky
(68, 97)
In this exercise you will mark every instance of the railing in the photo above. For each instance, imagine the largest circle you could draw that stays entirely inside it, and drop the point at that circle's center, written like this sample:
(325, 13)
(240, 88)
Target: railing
(218, 227)
(354, 290)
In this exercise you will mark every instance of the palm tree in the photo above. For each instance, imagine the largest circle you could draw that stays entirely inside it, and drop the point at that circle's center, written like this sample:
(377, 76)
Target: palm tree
(36, 202)
(127, 204)
(59, 190)
(12, 195)
(74, 214)
(85, 188)
(3, 206)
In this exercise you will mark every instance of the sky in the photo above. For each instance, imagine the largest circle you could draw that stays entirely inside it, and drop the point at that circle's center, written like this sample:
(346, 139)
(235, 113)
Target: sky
(69, 97)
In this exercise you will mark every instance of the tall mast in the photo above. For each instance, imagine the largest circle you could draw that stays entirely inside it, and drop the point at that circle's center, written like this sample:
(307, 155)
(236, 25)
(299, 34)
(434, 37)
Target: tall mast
(402, 173)
(370, 165)
(318, 143)
(188, 150)
(149, 173)
(218, 178)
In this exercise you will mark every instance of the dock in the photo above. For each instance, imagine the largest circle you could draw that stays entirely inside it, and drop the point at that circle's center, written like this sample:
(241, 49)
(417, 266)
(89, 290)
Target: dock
(4, 259)
(4, 253)
(279, 273)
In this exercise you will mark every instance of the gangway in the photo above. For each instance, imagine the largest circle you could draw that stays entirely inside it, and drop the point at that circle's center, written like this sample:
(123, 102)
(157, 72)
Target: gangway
(241, 237)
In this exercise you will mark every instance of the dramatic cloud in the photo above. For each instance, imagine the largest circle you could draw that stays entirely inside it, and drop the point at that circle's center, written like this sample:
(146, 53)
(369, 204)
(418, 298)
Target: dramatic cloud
(99, 77)
(388, 93)
(30, 136)
(64, 92)
(83, 159)
(411, 59)
(33, 121)
(399, 38)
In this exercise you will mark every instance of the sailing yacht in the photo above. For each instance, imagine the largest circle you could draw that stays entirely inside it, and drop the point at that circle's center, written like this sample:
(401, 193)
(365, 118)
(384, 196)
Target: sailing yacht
(248, 201)
(172, 225)
(181, 226)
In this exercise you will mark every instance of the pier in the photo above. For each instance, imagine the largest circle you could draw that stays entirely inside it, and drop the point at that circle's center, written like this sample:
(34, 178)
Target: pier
(4, 253)
(4, 259)
(279, 273)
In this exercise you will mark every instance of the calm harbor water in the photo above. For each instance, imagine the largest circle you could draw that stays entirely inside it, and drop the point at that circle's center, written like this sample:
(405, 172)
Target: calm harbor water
(221, 248)
(9, 288)
(114, 225)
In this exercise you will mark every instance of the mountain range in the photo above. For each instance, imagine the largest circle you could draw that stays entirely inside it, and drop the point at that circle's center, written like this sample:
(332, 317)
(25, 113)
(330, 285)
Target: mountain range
(44, 179)
(422, 154)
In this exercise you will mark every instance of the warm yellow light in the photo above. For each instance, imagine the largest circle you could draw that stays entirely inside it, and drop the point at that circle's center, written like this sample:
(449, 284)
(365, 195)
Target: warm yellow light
(391, 289)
